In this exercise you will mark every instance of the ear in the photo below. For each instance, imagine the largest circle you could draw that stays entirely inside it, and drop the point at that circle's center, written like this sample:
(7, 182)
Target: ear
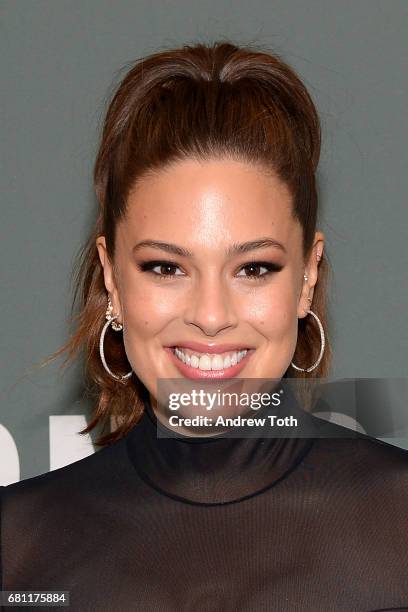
(109, 277)
(311, 271)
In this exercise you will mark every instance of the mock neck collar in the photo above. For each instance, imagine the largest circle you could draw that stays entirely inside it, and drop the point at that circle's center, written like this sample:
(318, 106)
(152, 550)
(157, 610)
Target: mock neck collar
(220, 469)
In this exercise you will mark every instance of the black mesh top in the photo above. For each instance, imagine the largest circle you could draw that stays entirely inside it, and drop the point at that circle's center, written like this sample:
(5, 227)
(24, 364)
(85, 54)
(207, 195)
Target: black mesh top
(220, 524)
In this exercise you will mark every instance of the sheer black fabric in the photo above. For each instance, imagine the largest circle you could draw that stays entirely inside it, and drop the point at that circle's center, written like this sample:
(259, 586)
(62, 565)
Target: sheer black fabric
(216, 524)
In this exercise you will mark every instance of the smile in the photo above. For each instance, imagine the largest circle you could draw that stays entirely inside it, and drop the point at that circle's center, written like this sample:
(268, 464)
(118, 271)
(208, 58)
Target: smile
(194, 364)
(205, 361)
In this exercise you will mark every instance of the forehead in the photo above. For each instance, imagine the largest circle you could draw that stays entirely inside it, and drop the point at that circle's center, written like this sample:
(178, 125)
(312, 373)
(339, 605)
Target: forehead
(210, 203)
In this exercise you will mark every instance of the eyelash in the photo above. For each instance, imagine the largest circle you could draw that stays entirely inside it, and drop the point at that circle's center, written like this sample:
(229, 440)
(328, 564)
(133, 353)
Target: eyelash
(147, 266)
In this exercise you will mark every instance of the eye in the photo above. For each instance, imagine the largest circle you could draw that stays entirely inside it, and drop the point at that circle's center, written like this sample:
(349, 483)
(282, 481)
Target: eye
(166, 268)
(255, 267)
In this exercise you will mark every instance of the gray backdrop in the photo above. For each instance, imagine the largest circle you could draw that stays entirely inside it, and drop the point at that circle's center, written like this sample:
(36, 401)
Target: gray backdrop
(59, 61)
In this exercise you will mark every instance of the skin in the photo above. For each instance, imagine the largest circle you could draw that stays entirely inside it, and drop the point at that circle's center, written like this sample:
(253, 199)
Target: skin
(206, 207)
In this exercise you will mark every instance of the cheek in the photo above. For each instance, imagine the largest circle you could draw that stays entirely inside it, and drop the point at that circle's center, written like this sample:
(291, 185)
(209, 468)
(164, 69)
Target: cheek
(145, 312)
(274, 313)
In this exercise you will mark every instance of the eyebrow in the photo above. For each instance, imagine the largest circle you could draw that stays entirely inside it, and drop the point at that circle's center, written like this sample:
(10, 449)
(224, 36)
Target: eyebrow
(234, 249)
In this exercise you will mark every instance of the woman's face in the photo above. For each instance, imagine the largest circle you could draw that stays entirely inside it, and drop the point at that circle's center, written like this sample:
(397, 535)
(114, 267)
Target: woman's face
(225, 267)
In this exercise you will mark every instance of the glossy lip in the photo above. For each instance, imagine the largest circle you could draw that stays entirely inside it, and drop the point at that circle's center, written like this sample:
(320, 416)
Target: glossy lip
(210, 348)
(196, 373)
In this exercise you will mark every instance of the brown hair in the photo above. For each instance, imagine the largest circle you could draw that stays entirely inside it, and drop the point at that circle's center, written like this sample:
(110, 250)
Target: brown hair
(198, 101)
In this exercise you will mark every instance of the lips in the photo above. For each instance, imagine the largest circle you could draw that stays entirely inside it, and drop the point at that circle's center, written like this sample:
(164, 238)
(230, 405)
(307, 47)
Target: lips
(195, 373)
(211, 347)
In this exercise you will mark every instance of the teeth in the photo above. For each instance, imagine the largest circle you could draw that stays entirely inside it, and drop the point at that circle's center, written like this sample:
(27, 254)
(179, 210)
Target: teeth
(210, 362)
(193, 361)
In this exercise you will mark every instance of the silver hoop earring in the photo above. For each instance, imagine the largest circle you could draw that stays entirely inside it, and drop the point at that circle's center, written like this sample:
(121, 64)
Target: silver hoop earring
(323, 343)
(110, 320)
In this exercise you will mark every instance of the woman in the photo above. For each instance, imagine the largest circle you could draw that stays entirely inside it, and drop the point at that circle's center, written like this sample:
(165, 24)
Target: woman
(205, 263)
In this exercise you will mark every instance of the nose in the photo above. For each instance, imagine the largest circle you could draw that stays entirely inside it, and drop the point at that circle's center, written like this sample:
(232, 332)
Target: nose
(210, 306)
